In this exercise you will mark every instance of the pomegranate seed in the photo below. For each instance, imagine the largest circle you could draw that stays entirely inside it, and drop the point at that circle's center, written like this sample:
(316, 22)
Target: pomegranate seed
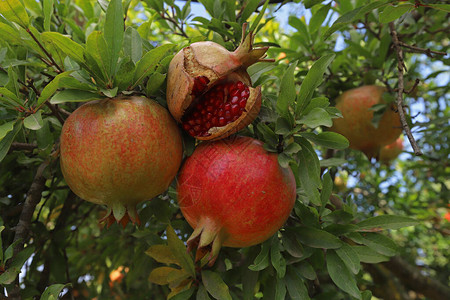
(245, 93)
(234, 93)
(234, 109)
(221, 105)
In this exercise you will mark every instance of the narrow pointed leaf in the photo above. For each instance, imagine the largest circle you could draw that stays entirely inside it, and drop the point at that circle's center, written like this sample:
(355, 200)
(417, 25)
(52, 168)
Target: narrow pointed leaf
(215, 285)
(341, 275)
(113, 33)
(14, 11)
(179, 251)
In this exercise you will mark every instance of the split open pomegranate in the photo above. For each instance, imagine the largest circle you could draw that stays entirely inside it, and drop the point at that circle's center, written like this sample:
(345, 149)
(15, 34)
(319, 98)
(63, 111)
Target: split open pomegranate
(209, 90)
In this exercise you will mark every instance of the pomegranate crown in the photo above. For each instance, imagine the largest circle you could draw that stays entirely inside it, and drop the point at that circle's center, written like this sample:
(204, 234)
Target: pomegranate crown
(245, 52)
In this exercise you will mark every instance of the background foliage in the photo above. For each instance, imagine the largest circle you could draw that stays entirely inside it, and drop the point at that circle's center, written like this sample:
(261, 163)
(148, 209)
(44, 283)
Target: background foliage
(350, 239)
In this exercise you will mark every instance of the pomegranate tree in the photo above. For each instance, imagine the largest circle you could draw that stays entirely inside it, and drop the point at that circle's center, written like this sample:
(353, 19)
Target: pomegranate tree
(357, 125)
(391, 151)
(233, 193)
(209, 90)
(119, 152)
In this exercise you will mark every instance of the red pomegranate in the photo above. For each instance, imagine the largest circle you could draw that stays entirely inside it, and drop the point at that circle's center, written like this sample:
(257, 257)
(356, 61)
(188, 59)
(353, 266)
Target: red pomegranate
(391, 151)
(209, 90)
(233, 193)
(119, 152)
(357, 125)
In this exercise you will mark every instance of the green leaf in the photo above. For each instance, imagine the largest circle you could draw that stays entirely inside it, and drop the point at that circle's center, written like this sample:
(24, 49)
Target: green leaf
(291, 244)
(113, 33)
(48, 11)
(132, 44)
(317, 238)
(215, 285)
(178, 250)
(282, 126)
(74, 96)
(6, 128)
(249, 8)
(280, 289)
(165, 275)
(14, 11)
(149, 61)
(277, 259)
(184, 294)
(368, 255)
(154, 83)
(249, 281)
(34, 121)
(391, 13)
(65, 45)
(386, 222)
(350, 258)
(341, 275)
(287, 93)
(51, 87)
(305, 269)
(332, 162)
(295, 286)
(315, 118)
(6, 142)
(202, 294)
(380, 243)
(162, 254)
(309, 171)
(353, 15)
(262, 260)
(53, 291)
(97, 55)
(327, 188)
(9, 97)
(312, 80)
(124, 77)
(318, 18)
(443, 7)
(292, 148)
(327, 139)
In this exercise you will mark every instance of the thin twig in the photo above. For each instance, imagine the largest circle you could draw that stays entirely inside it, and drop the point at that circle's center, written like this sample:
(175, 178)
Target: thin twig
(59, 69)
(401, 112)
(427, 52)
(22, 146)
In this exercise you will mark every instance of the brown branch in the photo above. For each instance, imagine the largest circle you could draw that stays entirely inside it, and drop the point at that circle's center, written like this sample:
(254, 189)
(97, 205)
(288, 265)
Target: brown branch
(400, 104)
(412, 278)
(22, 146)
(415, 49)
(22, 229)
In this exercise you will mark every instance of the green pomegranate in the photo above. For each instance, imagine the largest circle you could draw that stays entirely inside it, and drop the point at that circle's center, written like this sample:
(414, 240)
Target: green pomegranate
(120, 152)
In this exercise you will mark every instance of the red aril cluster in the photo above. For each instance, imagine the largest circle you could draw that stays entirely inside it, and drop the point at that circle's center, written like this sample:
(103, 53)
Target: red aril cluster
(220, 106)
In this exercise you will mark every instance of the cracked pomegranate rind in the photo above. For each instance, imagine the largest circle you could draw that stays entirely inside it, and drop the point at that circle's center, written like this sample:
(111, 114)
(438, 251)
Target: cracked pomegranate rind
(205, 74)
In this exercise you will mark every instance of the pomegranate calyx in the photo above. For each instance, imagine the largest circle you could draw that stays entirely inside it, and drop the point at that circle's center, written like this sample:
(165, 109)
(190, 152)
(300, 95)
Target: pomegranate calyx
(121, 214)
(208, 239)
(245, 52)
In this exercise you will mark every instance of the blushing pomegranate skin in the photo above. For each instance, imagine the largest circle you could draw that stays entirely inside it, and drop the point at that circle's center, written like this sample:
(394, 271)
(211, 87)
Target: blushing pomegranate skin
(356, 125)
(120, 152)
(391, 151)
(237, 190)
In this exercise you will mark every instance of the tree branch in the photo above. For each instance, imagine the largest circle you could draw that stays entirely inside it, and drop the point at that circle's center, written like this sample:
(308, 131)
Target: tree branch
(414, 280)
(23, 227)
(428, 52)
(400, 104)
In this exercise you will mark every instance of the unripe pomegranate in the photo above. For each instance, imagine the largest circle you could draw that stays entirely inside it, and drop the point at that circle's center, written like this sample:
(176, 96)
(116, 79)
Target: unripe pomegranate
(233, 193)
(209, 90)
(391, 151)
(119, 152)
(357, 125)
